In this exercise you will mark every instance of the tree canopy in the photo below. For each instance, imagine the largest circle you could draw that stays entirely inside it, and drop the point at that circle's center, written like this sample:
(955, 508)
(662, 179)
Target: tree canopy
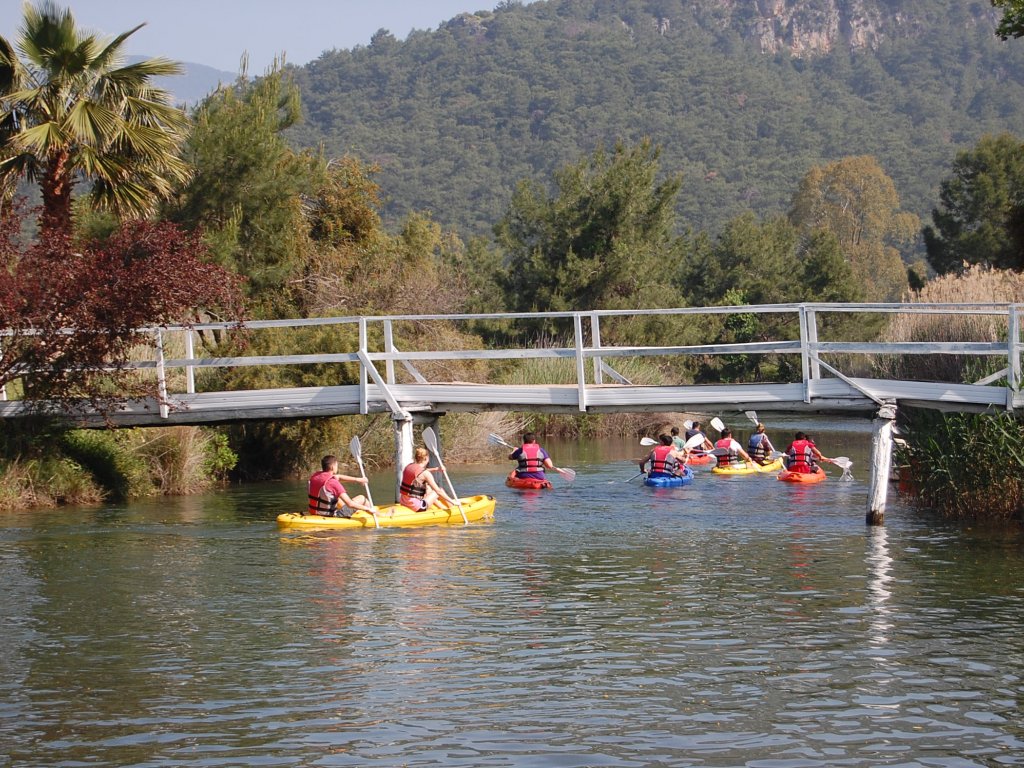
(71, 109)
(980, 217)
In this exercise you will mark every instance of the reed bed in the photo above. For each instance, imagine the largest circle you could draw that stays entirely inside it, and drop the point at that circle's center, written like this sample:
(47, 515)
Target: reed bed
(968, 466)
(976, 285)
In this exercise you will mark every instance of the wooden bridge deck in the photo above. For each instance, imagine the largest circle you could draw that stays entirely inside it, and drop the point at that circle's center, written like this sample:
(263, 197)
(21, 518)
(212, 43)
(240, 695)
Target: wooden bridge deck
(598, 387)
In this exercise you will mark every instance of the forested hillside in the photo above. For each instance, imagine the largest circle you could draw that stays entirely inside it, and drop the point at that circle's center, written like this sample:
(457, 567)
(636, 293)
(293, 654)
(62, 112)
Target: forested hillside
(742, 97)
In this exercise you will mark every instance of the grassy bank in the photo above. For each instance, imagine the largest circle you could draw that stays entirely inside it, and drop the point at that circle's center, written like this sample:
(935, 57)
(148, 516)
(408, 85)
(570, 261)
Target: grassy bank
(967, 466)
(43, 465)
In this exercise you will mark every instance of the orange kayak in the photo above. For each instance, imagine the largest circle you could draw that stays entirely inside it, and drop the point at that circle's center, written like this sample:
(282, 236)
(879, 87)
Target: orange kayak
(527, 482)
(803, 477)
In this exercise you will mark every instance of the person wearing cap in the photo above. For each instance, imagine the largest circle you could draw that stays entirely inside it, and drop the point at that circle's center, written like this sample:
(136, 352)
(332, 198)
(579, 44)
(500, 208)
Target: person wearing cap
(759, 446)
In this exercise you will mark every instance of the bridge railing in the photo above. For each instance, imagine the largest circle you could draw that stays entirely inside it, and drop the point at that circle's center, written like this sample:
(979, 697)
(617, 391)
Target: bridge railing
(587, 352)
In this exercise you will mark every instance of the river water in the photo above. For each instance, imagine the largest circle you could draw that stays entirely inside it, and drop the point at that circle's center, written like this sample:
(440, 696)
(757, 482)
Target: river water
(736, 622)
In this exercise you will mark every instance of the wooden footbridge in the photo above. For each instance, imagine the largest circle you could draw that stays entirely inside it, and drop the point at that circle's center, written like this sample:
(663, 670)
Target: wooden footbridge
(591, 377)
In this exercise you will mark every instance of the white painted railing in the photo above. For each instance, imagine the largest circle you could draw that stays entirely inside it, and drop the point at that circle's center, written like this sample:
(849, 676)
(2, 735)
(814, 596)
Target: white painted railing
(594, 357)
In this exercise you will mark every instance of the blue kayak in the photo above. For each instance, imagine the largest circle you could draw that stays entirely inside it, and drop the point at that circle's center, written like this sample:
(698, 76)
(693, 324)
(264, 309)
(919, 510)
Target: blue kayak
(670, 481)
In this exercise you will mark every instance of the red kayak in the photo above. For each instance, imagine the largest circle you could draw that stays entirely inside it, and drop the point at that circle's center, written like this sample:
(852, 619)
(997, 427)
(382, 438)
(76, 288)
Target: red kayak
(803, 477)
(527, 482)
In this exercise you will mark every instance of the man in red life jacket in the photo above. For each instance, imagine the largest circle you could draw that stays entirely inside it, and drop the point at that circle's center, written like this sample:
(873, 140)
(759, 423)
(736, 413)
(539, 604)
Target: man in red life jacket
(732, 451)
(328, 497)
(664, 459)
(802, 455)
(532, 459)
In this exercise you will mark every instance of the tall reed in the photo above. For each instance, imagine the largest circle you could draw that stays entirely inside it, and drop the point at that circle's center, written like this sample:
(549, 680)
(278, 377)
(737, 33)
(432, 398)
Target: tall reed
(965, 465)
(976, 285)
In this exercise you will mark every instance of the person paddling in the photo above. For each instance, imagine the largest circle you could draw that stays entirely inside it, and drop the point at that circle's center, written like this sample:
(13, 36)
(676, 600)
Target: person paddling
(532, 460)
(759, 446)
(695, 429)
(328, 497)
(664, 459)
(418, 489)
(802, 455)
(732, 451)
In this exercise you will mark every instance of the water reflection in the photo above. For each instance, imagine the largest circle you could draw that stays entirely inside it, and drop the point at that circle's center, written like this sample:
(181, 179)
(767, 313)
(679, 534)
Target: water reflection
(879, 567)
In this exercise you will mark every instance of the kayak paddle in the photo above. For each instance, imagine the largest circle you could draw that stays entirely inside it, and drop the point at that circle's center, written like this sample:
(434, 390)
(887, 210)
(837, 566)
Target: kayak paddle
(717, 424)
(430, 440)
(356, 447)
(752, 415)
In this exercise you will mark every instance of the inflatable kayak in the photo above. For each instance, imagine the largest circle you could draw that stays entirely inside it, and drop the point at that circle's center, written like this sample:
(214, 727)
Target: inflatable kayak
(699, 460)
(748, 469)
(803, 477)
(527, 482)
(670, 481)
(397, 516)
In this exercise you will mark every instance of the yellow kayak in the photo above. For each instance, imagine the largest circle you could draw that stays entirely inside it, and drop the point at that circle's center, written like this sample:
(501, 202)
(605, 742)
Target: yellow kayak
(747, 469)
(397, 516)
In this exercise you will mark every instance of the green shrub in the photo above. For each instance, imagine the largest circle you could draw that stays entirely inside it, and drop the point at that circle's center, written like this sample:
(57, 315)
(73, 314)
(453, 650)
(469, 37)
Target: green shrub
(965, 465)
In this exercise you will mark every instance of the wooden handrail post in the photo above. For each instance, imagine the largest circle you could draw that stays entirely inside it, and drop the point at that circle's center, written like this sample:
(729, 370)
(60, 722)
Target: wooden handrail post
(190, 354)
(364, 407)
(161, 375)
(389, 346)
(595, 342)
(805, 354)
(581, 373)
(1014, 349)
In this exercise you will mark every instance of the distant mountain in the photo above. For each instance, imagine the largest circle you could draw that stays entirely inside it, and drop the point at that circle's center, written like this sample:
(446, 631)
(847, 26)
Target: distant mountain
(743, 96)
(193, 86)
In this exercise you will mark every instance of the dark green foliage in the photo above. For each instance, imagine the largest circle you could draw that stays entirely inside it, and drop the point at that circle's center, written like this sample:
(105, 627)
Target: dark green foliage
(456, 117)
(965, 465)
(981, 215)
(246, 193)
(122, 473)
(603, 240)
(754, 262)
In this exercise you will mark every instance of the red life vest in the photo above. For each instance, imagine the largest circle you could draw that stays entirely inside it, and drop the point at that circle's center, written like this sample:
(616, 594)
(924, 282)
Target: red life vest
(409, 486)
(322, 501)
(530, 459)
(662, 463)
(728, 444)
(801, 456)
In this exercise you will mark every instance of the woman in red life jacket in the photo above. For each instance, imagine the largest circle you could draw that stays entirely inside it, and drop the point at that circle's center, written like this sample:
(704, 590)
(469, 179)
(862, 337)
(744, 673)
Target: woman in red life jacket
(802, 455)
(328, 497)
(532, 459)
(732, 451)
(664, 459)
(418, 490)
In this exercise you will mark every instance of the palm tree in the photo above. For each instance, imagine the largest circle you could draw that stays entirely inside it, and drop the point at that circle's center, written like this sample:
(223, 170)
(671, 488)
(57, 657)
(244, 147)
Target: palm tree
(71, 110)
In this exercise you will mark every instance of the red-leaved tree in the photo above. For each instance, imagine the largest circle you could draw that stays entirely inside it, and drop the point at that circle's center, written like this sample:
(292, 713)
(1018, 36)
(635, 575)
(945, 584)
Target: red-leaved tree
(70, 314)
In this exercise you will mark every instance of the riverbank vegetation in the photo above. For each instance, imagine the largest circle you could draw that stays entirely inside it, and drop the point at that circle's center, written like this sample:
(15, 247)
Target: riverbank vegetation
(235, 212)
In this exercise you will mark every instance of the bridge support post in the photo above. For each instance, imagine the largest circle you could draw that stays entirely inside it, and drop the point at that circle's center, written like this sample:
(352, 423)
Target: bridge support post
(403, 447)
(881, 462)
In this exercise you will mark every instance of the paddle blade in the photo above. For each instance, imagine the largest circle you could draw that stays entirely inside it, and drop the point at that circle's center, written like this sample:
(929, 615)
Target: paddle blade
(717, 423)
(687, 424)
(494, 439)
(648, 441)
(356, 447)
(752, 415)
(842, 462)
(568, 474)
(430, 440)
(694, 442)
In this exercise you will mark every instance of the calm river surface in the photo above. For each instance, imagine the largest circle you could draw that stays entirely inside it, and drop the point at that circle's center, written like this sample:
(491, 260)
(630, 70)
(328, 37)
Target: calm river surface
(736, 622)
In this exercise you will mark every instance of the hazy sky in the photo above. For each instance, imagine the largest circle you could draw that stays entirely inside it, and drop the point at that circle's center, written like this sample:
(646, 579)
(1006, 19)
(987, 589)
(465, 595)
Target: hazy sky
(217, 32)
